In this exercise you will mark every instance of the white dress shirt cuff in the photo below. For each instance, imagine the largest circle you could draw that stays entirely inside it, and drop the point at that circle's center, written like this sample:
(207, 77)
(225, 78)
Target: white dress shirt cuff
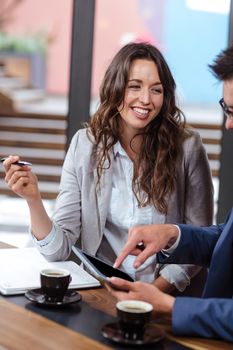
(176, 275)
(169, 251)
(50, 244)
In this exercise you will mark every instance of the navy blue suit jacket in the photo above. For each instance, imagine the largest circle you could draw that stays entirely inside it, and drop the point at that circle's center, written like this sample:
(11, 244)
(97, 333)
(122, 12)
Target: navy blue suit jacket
(212, 315)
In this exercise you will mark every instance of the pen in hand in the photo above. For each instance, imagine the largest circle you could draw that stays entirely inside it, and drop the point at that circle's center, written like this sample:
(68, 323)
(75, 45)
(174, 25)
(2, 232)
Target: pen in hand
(19, 162)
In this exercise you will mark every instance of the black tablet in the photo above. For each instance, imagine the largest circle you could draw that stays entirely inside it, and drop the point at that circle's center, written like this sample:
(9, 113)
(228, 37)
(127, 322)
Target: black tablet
(98, 268)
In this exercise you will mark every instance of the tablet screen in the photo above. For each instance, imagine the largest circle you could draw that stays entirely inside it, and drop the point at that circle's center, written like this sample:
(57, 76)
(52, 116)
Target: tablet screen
(100, 269)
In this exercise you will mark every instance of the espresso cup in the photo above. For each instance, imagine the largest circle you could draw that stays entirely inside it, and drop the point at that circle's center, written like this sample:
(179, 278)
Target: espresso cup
(54, 283)
(133, 316)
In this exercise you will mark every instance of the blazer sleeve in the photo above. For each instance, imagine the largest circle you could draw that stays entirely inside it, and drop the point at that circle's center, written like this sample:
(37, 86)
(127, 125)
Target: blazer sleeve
(67, 215)
(196, 186)
(195, 247)
(198, 196)
(210, 318)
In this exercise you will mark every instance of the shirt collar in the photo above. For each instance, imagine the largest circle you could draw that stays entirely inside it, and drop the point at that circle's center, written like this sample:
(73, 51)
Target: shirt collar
(118, 150)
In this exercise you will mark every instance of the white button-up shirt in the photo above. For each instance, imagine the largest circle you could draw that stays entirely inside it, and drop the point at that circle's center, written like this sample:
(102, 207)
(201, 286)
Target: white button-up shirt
(124, 213)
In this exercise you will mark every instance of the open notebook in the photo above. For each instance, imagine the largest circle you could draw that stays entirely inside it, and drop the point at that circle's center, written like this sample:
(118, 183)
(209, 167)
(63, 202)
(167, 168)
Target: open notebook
(20, 270)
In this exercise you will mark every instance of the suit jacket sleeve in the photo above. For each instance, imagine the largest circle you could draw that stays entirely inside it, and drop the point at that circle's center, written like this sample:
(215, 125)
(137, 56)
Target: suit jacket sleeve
(196, 245)
(210, 318)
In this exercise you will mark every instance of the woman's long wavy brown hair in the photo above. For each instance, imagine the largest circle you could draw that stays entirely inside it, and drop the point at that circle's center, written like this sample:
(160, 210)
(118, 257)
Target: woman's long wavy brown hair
(161, 139)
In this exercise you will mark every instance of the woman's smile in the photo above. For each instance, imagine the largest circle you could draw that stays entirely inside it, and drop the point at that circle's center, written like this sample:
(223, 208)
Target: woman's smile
(141, 113)
(143, 98)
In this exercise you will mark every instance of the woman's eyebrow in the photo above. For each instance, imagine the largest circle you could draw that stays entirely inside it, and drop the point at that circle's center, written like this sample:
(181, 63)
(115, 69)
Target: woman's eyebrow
(139, 81)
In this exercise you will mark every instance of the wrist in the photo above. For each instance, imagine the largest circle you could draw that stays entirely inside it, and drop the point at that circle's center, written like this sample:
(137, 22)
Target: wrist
(173, 235)
(167, 304)
(35, 200)
(163, 285)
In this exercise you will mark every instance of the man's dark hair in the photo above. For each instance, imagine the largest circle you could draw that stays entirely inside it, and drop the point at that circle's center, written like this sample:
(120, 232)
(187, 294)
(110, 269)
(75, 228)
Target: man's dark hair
(222, 67)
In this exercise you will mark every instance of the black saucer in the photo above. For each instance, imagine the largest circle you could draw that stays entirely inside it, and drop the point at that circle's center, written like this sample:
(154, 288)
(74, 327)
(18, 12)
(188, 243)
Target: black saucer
(37, 296)
(152, 334)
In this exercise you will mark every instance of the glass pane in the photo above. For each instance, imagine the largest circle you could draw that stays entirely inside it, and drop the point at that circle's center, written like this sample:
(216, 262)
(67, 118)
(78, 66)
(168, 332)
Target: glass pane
(35, 45)
(189, 33)
(35, 51)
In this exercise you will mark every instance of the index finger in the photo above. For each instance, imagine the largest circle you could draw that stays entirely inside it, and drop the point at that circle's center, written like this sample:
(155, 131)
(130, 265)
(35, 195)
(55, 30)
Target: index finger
(129, 248)
(8, 161)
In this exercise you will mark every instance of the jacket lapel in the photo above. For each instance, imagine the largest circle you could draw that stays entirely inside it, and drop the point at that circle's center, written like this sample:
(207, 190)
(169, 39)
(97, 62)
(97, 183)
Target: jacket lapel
(103, 193)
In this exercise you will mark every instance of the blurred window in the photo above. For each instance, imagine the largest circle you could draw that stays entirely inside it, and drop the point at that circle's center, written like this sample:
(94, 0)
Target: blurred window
(35, 40)
(188, 32)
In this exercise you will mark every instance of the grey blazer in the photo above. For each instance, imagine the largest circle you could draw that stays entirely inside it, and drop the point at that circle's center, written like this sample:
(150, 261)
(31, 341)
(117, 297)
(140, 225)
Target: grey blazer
(81, 208)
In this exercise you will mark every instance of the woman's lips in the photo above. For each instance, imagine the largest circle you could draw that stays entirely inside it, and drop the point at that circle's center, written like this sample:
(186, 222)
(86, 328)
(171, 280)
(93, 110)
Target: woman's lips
(141, 113)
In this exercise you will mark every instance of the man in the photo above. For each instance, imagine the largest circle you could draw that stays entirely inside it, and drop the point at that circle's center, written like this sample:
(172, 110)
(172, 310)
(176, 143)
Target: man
(212, 315)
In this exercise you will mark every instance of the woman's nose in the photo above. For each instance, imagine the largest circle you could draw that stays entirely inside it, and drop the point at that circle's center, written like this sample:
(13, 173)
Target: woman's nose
(145, 96)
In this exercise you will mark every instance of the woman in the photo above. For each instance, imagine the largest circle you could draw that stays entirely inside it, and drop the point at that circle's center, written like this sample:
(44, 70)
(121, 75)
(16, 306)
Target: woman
(134, 163)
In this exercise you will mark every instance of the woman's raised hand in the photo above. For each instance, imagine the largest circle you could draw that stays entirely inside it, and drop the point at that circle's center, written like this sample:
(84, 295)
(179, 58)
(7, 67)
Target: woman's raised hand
(20, 179)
